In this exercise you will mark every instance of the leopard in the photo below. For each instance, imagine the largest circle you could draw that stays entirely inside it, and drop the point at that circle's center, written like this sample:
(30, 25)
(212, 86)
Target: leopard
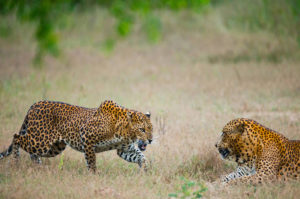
(262, 154)
(50, 126)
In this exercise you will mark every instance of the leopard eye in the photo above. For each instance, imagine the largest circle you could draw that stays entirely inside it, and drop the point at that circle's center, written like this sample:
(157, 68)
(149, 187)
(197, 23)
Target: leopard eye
(142, 129)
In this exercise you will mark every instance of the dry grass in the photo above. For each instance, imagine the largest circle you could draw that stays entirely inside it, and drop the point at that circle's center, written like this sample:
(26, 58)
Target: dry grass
(190, 95)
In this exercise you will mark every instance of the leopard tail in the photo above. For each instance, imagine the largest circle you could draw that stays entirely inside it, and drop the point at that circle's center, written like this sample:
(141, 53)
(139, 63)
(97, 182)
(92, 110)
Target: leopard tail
(13, 148)
(7, 152)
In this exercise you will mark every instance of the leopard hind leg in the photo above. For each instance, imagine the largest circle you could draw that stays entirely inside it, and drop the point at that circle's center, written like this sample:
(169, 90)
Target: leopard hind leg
(55, 149)
(35, 158)
(50, 151)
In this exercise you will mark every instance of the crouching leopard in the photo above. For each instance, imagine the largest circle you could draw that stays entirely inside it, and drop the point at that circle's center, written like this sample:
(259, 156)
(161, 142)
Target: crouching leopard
(50, 126)
(262, 155)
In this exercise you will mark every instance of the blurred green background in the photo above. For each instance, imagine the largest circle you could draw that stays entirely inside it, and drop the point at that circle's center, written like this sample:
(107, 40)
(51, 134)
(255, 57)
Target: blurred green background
(50, 17)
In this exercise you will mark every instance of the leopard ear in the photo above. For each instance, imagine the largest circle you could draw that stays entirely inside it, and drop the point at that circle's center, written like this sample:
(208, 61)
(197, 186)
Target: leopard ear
(129, 117)
(98, 112)
(148, 114)
(240, 128)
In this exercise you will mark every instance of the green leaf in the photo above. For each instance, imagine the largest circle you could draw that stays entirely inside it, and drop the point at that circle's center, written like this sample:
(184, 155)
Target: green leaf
(142, 7)
(175, 195)
(61, 162)
(191, 184)
(124, 26)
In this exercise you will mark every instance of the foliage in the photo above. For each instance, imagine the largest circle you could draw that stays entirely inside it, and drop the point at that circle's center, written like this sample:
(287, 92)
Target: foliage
(189, 189)
(282, 17)
(46, 13)
(61, 162)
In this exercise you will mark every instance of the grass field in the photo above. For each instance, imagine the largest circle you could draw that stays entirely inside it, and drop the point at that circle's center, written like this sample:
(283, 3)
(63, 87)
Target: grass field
(197, 78)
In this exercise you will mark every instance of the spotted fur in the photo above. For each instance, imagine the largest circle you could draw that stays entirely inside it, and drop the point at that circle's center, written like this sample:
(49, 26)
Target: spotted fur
(50, 126)
(262, 154)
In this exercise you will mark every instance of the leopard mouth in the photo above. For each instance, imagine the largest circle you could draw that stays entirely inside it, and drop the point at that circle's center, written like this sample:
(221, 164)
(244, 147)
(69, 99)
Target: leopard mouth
(224, 152)
(142, 145)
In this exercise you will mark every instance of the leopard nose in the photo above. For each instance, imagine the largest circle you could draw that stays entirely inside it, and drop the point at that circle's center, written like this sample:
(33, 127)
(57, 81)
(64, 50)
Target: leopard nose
(216, 145)
(150, 141)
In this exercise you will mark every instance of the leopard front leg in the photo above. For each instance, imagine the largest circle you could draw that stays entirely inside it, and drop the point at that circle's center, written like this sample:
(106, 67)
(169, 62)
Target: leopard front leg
(266, 168)
(241, 171)
(132, 154)
(88, 145)
(90, 157)
(265, 174)
(254, 179)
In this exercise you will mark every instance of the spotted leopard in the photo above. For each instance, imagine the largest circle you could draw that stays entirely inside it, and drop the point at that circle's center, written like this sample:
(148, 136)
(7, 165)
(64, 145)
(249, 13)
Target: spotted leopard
(262, 154)
(50, 126)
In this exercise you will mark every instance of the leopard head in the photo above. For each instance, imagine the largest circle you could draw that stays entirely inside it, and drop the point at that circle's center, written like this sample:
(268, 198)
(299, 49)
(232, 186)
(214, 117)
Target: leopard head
(141, 127)
(238, 143)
